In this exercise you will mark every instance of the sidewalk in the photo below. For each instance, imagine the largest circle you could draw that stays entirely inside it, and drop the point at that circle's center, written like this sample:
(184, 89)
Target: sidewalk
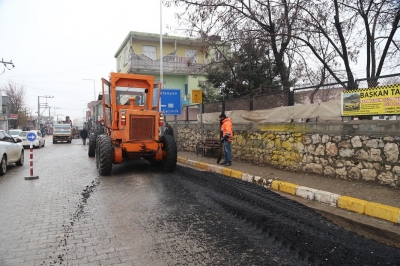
(359, 197)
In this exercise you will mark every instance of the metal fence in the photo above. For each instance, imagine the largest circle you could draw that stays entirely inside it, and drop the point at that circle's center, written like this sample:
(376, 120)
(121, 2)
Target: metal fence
(378, 81)
(328, 92)
(318, 94)
(171, 64)
(277, 98)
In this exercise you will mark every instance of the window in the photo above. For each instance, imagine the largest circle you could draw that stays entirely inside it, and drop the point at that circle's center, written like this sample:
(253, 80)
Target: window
(108, 117)
(5, 137)
(150, 52)
(155, 100)
(192, 54)
(217, 56)
(125, 93)
(107, 93)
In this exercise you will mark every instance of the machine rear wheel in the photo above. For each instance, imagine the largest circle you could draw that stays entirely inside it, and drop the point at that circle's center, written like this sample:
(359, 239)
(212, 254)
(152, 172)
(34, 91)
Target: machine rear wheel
(97, 150)
(105, 160)
(92, 145)
(171, 153)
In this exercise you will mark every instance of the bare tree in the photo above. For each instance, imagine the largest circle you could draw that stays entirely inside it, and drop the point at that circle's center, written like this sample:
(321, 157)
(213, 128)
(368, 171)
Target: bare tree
(15, 95)
(267, 21)
(319, 38)
(381, 21)
(368, 24)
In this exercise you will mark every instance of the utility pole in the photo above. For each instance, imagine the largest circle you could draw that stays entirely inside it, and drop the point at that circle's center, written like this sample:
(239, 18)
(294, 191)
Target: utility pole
(5, 65)
(54, 113)
(26, 119)
(39, 107)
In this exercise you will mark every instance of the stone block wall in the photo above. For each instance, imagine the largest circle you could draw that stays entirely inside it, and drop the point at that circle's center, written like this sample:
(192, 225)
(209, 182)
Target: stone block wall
(357, 157)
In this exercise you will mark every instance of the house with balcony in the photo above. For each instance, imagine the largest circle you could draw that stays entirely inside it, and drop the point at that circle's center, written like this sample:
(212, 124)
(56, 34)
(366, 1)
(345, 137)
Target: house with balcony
(183, 61)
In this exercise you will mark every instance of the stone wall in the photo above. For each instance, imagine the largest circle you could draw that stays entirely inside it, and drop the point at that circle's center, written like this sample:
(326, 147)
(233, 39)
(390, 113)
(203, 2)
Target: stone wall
(364, 157)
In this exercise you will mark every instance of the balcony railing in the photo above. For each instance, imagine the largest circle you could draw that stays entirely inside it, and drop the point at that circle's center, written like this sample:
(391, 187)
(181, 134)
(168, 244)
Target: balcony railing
(171, 64)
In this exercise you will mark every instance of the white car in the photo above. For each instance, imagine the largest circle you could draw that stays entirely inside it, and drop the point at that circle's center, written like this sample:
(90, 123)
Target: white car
(11, 152)
(39, 142)
(15, 133)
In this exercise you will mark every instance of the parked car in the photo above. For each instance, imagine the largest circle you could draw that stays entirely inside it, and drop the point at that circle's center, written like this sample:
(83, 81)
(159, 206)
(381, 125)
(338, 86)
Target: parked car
(11, 151)
(39, 142)
(15, 133)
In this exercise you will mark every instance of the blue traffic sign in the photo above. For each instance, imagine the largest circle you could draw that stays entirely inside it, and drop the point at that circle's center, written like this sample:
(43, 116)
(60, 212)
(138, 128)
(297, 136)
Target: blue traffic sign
(31, 136)
(171, 101)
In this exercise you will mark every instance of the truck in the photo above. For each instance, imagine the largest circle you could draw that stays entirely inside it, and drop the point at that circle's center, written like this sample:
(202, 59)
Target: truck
(131, 121)
(62, 132)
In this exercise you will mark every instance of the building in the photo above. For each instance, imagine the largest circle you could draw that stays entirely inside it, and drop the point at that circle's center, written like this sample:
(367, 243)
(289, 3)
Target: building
(5, 113)
(183, 60)
(22, 120)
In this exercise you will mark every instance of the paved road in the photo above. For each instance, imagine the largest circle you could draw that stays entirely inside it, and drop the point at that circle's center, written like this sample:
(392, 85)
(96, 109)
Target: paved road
(140, 216)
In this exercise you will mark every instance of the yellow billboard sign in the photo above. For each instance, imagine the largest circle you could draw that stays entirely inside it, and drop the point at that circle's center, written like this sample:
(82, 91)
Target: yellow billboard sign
(373, 101)
(197, 96)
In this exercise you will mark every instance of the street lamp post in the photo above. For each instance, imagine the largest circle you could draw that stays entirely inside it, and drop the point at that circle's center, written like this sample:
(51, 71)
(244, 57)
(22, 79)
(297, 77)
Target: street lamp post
(161, 49)
(94, 87)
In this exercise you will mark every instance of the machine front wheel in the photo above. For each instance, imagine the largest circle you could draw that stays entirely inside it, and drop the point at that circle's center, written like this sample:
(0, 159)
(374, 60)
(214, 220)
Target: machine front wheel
(171, 153)
(105, 160)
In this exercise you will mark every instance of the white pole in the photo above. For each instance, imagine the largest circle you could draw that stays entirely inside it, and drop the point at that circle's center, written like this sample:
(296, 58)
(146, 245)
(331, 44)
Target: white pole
(161, 48)
(161, 63)
(201, 121)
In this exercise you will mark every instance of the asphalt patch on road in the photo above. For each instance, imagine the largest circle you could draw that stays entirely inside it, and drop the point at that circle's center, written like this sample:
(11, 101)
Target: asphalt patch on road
(297, 229)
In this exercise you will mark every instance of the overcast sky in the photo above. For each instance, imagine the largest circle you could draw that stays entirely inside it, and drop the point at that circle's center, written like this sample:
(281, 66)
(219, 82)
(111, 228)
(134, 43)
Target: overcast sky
(55, 44)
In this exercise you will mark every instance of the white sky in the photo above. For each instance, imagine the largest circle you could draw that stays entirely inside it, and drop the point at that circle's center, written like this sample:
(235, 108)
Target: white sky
(55, 44)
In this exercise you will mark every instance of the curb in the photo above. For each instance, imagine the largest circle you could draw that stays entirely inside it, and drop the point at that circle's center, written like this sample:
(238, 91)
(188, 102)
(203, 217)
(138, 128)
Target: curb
(369, 208)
